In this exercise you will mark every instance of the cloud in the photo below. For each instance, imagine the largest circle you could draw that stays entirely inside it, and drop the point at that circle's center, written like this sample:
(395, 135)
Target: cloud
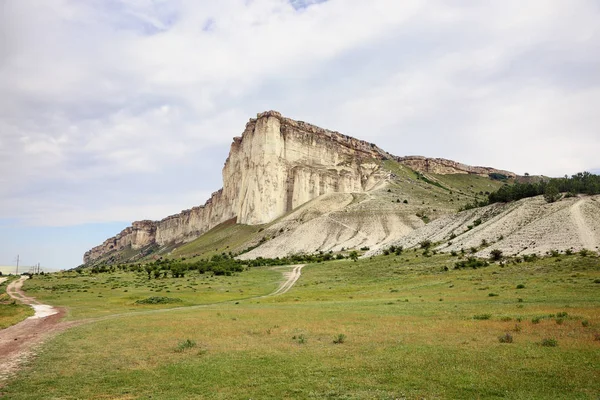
(122, 110)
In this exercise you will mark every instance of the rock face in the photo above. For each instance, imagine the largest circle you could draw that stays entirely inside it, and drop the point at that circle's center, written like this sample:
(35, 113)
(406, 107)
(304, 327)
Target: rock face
(276, 165)
(446, 167)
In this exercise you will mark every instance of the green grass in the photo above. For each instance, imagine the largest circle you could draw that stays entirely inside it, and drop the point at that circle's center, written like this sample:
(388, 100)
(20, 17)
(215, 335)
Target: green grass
(94, 295)
(470, 185)
(443, 193)
(408, 332)
(224, 238)
(11, 312)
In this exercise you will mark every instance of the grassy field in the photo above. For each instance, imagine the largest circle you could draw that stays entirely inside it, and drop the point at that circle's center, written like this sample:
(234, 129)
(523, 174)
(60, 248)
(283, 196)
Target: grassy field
(405, 327)
(93, 295)
(10, 311)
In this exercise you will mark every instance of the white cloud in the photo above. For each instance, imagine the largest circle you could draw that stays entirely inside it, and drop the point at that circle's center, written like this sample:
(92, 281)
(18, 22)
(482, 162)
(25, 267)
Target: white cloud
(107, 103)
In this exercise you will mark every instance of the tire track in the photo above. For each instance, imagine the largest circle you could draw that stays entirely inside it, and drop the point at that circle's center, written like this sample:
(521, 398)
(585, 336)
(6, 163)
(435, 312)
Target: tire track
(586, 235)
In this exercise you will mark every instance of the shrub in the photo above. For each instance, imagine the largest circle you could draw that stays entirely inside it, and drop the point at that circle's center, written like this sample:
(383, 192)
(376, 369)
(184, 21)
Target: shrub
(301, 339)
(482, 316)
(584, 252)
(562, 314)
(585, 323)
(493, 294)
(506, 338)
(405, 201)
(158, 300)
(425, 244)
(496, 254)
(184, 345)
(535, 320)
(339, 339)
(520, 286)
(549, 342)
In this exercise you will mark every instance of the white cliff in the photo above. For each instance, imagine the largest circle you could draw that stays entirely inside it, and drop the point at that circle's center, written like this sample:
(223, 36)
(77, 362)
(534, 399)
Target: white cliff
(276, 165)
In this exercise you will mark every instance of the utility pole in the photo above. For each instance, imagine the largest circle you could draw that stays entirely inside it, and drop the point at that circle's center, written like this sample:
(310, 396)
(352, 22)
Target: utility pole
(17, 264)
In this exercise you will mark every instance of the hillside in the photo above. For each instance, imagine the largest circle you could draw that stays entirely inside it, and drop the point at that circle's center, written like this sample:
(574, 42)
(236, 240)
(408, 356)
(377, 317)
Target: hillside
(526, 226)
(290, 187)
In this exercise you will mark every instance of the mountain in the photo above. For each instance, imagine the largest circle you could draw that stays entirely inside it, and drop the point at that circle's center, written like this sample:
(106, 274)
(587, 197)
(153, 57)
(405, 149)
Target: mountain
(292, 187)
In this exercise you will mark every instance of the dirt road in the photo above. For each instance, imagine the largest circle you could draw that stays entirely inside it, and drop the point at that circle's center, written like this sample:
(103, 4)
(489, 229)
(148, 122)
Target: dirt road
(291, 278)
(18, 342)
(585, 233)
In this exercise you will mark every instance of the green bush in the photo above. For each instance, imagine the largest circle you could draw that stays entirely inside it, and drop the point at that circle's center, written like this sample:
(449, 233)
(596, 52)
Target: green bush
(158, 300)
(549, 342)
(339, 339)
(506, 338)
(482, 316)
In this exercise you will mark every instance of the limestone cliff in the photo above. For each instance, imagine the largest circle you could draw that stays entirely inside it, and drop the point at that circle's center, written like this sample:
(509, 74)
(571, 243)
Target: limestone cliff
(445, 167)
(276, 165)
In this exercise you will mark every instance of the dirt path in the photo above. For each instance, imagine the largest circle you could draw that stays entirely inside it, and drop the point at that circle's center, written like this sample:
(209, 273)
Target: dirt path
(292, 277)
(18, 342)
(583, 230)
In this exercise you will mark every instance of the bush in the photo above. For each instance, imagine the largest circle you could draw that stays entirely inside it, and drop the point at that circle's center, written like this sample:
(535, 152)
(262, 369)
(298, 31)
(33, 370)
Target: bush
(585, 323)
(536, 320)
(339, 339)
(158, 300)
(549, 342)
(425, 244)
(301, 339)
(506, 338)
(493, 294)
(482, 316)
(496, 254)
(520, 286)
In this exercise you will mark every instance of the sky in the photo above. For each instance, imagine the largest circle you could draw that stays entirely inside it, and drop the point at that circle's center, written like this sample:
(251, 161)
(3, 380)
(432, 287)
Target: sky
(119, 110)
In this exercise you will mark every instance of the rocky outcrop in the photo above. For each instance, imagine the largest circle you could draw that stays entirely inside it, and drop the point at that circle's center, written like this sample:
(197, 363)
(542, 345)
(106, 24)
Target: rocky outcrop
(276, 165)
(138, 235)
(446, 167)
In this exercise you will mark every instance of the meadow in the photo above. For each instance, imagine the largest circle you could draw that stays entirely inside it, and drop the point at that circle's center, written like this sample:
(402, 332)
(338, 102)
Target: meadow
(11, 312)
(408, 326)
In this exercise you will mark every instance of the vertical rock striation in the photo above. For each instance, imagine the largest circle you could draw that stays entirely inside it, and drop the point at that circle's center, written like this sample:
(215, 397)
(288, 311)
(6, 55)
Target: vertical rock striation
(276, 165)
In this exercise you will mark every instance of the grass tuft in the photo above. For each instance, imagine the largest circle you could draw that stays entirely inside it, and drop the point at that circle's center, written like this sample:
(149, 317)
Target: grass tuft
(185, 345)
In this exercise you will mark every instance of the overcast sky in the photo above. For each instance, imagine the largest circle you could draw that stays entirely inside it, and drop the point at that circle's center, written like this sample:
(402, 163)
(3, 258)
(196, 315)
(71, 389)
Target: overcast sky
(119, 110)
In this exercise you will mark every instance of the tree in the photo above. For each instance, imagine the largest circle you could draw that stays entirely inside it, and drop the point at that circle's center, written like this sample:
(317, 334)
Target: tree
(551, 194)
(353, 255)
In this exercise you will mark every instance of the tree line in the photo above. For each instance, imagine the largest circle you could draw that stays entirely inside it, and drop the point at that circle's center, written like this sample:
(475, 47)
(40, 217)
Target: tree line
(551, 189)
(580, 183)
(219, 264)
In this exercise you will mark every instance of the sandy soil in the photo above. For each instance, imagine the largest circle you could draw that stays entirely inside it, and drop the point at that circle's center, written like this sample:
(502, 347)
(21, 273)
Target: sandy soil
(18, 343)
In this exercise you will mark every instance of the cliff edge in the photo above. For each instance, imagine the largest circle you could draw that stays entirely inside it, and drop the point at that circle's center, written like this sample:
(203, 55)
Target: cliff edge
(276, 165)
